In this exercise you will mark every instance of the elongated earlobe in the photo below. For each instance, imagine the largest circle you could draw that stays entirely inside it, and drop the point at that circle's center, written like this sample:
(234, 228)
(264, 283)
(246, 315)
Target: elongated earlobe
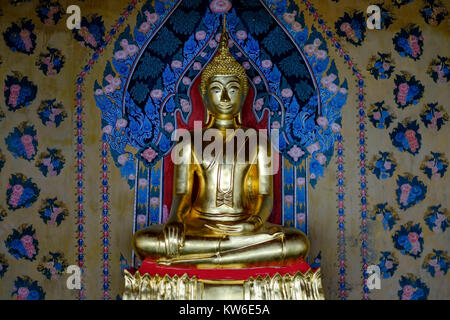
(207, 115)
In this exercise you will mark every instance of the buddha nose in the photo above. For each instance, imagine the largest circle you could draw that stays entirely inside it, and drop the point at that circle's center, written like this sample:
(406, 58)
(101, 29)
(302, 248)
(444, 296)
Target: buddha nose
(224, 97)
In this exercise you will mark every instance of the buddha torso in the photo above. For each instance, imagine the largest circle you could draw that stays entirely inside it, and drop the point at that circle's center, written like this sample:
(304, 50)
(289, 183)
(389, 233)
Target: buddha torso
(224, 187)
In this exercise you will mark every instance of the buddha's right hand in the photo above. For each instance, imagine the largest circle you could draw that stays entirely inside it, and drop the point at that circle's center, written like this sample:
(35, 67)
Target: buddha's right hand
(173, 238)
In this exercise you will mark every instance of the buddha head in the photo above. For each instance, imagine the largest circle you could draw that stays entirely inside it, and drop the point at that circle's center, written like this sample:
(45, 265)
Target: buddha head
(224, 83)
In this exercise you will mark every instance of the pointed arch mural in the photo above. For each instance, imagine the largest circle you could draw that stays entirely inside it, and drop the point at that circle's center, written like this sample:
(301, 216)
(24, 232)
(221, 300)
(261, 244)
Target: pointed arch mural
(150, 87)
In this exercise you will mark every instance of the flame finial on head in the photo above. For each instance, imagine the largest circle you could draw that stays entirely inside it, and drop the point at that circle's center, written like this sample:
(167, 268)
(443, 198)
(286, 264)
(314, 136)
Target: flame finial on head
(223, 64)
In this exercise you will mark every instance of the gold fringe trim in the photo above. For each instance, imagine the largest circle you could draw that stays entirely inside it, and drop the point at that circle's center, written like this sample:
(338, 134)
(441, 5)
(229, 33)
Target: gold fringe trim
(145, 287)
(300, 286)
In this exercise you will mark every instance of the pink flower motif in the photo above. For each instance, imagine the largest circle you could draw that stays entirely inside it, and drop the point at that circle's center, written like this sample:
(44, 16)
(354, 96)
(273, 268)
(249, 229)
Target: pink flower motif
(27, 242)
(200, 35)
(388, 264)
(197, 66)
(149, 154)
(154, 201)
(386, 66)
(301, 181)
(156, 94)
(27, 142)
(257, 80)
(313, 147)
(246, 65)
(388, 165)
(98, 92)
(343, 90)
(402, 92)
(317, 42)
(121, 123)
(322, 121)
(326, 81)
(144, 27)
(186, 81)
(335, 127)
(296, 153)
(276, 125)
(185, 105)
(151, 17)
(16, 194)
(241, 35)
(13, 94)
(14, 90)
(297, 27)
(414, 44)
(349, 32)
(116, 82)
(212, 44)
(312, 176)
(412, 140)
(320, 54)
(143, 182)
(176, 64)
(122, 159)
(25, 36)
(120, 55)
(310, 49)
(321, 158)
(109, 78)
(258, 104)
(108, 89)
(46, 161)
(413, 237)
(131, 49)
(289, 17)
(301, 217)
(286, 93)
(141, 219)
(124, 43)
(219, 6)
(289, 199)
(433, 263)
(332, 87)
(107, 129)
(22, 293)
(377, 115)
(165, 214)
(406, 189)
(407, 292)
(266, 64)
(168, 127)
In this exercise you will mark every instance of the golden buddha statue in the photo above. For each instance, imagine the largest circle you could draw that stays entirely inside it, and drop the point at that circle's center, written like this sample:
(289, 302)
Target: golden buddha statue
(225, 225)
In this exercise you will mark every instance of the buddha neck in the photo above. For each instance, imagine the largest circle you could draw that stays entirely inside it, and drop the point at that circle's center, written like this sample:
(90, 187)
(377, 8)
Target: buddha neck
(223, 124)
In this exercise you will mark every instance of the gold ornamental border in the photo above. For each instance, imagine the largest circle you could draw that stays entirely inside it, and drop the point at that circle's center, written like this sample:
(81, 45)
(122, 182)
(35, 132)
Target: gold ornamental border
(300, 286)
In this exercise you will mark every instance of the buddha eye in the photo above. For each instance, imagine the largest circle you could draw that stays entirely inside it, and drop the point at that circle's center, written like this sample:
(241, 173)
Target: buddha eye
(215, 90)
(233, 90)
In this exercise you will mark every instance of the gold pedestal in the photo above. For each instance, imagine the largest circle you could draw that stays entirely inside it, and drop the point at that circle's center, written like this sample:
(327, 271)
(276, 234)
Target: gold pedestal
(300, 286)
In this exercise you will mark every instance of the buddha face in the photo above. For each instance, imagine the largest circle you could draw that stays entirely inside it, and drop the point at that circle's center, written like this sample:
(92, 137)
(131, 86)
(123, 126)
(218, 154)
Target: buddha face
(224, 96)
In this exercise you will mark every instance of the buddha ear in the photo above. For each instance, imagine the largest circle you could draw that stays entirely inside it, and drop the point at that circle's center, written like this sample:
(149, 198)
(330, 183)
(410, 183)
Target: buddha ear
(207, 115)
(239, 118)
